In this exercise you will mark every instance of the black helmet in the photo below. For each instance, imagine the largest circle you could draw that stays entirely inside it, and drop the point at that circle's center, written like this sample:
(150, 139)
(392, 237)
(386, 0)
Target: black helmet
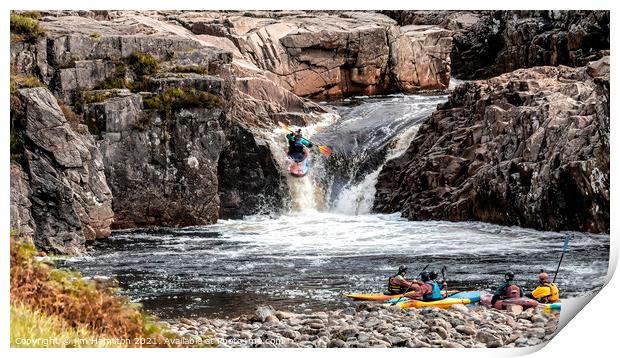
(433, 275)
(424, 276)
(509, 275)
(402, 268)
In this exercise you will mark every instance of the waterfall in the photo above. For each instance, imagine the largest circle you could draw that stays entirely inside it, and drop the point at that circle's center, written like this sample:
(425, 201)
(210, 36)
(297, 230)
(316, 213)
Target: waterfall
(357, 199)
(364, 133)
(370, 132)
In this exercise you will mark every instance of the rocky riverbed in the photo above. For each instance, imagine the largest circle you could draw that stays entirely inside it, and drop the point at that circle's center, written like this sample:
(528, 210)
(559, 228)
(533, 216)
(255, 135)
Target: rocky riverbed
(372, 325)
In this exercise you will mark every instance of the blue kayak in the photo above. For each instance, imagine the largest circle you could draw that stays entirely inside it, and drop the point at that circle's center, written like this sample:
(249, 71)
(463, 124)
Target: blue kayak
(473, 296)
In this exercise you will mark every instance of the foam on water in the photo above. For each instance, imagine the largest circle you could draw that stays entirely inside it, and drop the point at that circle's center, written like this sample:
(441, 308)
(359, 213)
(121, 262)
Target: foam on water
(314, 257)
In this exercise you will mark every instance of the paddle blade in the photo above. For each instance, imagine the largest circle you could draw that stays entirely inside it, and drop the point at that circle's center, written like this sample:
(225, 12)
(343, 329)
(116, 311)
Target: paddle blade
(565, 246)
(285, 127)
(325, 149)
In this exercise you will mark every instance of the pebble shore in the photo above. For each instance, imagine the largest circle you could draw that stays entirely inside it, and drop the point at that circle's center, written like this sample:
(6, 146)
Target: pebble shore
(373, 325)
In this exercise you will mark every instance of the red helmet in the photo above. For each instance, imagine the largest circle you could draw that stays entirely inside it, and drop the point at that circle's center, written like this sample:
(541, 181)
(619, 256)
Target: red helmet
(543, 276)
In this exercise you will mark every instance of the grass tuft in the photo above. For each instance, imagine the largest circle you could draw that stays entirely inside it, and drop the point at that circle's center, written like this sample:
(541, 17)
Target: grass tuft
(36, 15)
(25, 28)
(34, 329)
(178, 98)
(66, 296)
(73, 118)
(143, 64)
(24, 81)
(201, 70)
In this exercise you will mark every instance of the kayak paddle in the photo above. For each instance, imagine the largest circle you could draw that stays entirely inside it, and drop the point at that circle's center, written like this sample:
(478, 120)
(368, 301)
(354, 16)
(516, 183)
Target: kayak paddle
(444, 271)
(408, 288)
(564, 249)
(323, 149)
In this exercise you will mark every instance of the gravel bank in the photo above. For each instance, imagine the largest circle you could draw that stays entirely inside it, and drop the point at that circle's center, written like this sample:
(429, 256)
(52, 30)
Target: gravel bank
(372, 325)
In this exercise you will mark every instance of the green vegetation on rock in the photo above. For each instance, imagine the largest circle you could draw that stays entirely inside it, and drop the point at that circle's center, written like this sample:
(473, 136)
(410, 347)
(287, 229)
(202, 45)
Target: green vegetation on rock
(97, 97)
(178, 98)
(118, 80)
(33, 14)
(24, 81)
(201, 70)
(143, 64)
(17, 144)
(26, 28)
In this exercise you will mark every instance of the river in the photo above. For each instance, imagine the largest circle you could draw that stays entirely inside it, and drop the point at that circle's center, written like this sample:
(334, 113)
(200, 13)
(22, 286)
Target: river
(328, 242)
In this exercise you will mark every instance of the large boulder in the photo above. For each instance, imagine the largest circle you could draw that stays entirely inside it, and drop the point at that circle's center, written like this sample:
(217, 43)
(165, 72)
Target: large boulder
(70, 200)
(528, 148)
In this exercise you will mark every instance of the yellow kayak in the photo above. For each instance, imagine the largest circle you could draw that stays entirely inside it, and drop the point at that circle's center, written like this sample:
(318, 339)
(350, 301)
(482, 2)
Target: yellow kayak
(445, 303)
(382, 296)
(551, 307)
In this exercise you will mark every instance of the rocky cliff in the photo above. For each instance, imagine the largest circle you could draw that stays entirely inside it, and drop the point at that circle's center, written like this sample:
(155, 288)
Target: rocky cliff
(528, 148)
(61, 195)
(489, 43)
(159, 117)
(319, 55)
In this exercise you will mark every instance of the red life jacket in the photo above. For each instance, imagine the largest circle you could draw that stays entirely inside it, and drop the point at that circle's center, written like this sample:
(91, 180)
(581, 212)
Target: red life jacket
(513, 291)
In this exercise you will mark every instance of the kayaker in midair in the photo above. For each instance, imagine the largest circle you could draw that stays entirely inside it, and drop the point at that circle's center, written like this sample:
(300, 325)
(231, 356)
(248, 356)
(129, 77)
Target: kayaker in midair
(398, 284)
(546, 292)
(296, 146)
(507, 289)
(429, 290)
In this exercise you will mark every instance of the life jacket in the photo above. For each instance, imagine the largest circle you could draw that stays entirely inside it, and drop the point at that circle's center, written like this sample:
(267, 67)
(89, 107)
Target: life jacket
(435, 295)
(394, 288)
(512, 291)
(554, 293)
(296, 146)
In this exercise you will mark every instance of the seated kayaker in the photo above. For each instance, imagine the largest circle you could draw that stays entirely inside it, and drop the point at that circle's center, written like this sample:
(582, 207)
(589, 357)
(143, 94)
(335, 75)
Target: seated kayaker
(296, 146)
(507, 289)
(546, 292)
(428, 291)
(398, 284)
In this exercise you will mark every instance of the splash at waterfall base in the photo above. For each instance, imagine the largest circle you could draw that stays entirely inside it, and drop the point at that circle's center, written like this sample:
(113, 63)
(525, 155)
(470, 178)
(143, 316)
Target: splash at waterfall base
(368, 325)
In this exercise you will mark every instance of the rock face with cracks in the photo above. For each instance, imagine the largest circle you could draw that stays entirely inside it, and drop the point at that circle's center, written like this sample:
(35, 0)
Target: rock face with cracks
(320, 55)
(491, 42)
(527, 148)
(70, 201)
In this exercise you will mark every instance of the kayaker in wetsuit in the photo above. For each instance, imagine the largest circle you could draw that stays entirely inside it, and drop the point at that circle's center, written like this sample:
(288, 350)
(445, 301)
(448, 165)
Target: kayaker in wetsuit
(428, 291)
(296, 146)
(398, 284)
(507, 289)
(546, 292)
